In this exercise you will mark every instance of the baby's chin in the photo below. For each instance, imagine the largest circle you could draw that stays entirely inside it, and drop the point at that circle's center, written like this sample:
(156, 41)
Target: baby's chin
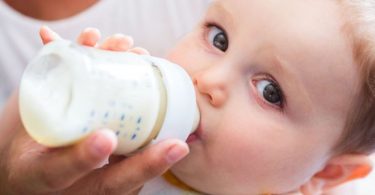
(202, 178)
(192, 176)
(193, 170)
(182, 170)
(185, 179)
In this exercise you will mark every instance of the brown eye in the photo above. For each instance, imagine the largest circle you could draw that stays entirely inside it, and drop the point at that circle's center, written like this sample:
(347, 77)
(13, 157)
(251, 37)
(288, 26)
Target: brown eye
(270, 92)
(218, 38)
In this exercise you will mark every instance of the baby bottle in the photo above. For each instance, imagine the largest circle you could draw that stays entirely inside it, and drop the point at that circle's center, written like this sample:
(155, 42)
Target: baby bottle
(68, 90)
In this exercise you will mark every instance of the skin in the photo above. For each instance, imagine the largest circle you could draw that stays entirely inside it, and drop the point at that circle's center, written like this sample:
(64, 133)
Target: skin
(50, 10)
(27, 167)
(246, 144)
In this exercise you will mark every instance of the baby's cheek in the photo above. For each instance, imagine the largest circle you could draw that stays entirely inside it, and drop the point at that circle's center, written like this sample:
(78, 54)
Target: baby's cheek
(254, 161)
(178, 58)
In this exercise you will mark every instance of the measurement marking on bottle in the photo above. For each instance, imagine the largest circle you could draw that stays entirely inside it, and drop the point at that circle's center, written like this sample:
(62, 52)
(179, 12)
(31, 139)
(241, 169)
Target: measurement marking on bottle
(84, 130)
(139, 120)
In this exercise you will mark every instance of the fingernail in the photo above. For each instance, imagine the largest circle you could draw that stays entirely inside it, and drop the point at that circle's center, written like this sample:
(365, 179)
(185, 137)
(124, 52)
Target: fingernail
(103, 163)
(92, 30)
(99, 143)
(88, 29)
(176, 153)
(54, 35)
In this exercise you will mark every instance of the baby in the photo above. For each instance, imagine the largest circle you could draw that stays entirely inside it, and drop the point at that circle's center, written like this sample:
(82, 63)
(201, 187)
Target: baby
(286, 95)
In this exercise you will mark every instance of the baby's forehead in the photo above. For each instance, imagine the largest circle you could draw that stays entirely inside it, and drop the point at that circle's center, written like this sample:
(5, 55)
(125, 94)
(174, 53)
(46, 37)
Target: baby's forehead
(305, 16)
(298, 27)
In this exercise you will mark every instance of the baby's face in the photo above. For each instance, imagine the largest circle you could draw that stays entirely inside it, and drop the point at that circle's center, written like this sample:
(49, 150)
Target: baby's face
(274, 82)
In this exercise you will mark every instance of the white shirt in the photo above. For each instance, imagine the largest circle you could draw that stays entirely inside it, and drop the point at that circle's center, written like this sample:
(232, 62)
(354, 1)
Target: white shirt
(154, 24)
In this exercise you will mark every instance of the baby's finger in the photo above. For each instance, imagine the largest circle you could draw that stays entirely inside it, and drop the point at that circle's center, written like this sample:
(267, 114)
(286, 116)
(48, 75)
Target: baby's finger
(47, 35)
(89, 37)
(117, 42)
(65, 167)
(139, 50)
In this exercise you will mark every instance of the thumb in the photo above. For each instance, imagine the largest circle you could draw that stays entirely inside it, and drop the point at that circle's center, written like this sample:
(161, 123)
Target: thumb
(65, 166)
(130, 174)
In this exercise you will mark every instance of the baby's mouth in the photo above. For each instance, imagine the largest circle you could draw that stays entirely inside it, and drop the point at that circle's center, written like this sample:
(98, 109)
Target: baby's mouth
(192, 137)
(196, 135)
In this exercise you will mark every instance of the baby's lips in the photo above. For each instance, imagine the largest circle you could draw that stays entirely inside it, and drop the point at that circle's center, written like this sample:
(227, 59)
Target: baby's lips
(195, 135)
(192, 137)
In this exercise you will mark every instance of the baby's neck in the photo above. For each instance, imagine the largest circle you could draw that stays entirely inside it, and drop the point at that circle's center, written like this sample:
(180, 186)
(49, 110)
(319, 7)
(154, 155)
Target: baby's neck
(50, 10)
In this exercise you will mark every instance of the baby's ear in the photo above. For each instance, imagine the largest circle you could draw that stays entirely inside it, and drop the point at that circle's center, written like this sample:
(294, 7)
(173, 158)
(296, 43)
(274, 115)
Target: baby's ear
(338, 170)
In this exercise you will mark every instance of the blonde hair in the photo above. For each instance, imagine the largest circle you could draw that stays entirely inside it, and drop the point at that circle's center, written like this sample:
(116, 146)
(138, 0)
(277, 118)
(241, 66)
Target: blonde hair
(359, 134)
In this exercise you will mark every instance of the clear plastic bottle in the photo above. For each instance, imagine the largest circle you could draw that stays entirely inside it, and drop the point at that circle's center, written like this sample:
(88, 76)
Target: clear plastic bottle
(68, 90)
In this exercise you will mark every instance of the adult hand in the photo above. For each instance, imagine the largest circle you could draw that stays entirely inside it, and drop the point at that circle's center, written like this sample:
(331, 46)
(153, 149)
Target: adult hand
(27, 167)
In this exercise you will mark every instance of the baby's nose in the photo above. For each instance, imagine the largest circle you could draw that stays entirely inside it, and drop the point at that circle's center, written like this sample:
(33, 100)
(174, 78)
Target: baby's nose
(213, 85)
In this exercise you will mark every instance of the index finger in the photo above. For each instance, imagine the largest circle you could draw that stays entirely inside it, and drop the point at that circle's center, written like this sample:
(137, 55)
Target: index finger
(130, 174)
(61, 167)
(47, 35)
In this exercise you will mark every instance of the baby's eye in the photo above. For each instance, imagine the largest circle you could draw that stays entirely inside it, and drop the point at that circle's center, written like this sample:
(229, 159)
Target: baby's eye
(270, 92)
(218, 38)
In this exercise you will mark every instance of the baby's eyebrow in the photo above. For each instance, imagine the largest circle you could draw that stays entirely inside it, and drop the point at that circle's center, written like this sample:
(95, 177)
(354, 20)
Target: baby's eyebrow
(290, 81)
(219, 10)
(217, 5)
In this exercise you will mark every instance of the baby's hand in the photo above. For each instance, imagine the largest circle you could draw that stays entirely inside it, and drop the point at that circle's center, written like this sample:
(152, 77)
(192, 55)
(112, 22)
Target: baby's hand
(91, 36)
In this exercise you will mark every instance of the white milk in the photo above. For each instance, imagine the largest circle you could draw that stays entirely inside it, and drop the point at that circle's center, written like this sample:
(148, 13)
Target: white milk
(68, 91)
